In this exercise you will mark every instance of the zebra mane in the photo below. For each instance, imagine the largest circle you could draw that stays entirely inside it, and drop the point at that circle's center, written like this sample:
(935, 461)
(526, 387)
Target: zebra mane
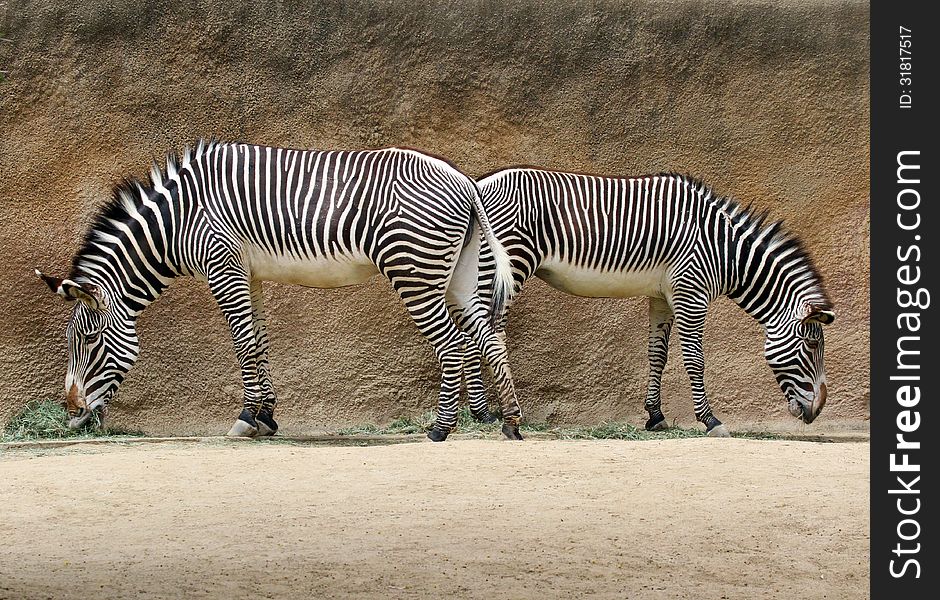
(128, 195)
(771, 236)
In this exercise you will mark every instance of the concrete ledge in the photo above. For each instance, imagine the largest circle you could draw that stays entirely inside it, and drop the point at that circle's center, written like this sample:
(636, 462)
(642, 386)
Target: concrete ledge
(374, 440)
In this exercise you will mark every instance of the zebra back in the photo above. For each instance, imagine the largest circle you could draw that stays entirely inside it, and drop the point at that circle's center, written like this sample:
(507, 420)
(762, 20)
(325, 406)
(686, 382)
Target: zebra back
(632, 224)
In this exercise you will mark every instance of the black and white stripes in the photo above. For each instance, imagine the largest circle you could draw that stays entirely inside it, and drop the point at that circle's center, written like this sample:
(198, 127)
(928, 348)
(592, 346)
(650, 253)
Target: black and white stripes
(669, 238)
(456, 252)
(237, 214)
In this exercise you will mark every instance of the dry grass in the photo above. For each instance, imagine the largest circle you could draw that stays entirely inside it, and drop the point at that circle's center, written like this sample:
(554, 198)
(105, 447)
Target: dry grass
(605, 431)
(44, 420)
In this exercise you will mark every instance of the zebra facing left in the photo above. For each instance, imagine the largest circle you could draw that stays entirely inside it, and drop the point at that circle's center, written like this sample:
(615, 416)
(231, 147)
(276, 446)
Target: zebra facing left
(234, 215)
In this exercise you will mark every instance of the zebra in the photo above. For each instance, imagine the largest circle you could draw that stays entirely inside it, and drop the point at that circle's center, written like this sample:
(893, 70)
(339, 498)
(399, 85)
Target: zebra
(668, 237)
(234, 215)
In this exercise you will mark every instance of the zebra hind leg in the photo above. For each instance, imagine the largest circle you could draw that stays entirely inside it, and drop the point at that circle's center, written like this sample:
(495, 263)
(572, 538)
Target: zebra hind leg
(435, 323)
(473, 375)
(473, 320)
(661, 320)
(450, 357)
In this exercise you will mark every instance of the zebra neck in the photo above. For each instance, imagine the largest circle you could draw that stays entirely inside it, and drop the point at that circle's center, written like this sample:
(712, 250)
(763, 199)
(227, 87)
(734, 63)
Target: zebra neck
(769, 289)
(767, 315)
(131, 288)
(133, 249)
(771, 275)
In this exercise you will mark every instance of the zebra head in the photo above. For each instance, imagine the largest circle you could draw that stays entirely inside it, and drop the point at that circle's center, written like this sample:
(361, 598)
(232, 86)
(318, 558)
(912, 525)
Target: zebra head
(794, 350)
(103, 345)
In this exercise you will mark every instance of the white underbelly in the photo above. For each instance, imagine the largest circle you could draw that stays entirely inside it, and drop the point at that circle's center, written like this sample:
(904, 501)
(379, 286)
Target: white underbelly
(603, 284)
(320, 272)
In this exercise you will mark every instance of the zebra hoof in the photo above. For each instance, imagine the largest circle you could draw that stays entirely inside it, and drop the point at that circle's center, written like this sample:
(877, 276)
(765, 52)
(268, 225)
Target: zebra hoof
(486, 417)
(242, 429)
(512, 432)
(267, 426)
(438, 435)
(245, 425)
(657, 423)
(719, 431)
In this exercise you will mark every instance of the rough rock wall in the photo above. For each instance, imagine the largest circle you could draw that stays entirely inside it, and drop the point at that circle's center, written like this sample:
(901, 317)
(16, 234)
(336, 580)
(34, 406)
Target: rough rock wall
(768, 102)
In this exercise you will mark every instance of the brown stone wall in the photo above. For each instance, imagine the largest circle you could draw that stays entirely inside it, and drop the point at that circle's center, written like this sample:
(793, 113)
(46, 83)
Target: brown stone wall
(766, 101)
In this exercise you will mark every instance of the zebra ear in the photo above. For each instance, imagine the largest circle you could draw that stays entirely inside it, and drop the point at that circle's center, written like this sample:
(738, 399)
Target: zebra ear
(72, 290)
(52, 282)
(818, 314)
(85, 292)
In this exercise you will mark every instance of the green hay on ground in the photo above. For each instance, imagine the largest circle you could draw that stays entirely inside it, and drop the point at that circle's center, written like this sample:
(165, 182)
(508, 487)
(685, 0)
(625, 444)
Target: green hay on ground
(604, 431)
(421, 424)
(401, 426)
(623, 431)
(47, 420)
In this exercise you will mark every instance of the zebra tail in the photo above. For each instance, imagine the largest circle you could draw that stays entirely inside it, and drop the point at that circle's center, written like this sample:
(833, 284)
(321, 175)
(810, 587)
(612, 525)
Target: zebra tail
(503, 284)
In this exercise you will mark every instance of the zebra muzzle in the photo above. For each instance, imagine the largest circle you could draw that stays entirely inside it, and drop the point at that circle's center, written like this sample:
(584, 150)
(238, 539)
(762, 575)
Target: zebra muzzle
(85, 414)
(808, 410)
(81, 418)
(795, 407)
(819, 401)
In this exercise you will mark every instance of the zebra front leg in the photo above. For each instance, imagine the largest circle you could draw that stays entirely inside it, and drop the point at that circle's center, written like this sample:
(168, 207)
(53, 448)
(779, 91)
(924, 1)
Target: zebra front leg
(267, 426)
(233, 295)
(661, 319)
(690, 321)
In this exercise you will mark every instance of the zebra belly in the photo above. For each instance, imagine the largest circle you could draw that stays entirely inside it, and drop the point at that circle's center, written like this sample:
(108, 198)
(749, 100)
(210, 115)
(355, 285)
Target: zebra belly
(594, 283)
(318, 272)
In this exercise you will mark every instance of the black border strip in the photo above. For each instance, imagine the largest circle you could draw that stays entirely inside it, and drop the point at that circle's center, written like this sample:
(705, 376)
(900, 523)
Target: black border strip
(903, 272)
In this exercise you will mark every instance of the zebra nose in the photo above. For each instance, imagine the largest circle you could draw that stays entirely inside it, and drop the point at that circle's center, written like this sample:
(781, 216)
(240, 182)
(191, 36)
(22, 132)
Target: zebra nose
(820, 400)
(74, 403)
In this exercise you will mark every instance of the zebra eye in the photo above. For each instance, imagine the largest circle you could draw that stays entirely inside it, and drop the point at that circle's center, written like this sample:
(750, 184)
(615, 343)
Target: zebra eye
(812, 343)
(91, 338)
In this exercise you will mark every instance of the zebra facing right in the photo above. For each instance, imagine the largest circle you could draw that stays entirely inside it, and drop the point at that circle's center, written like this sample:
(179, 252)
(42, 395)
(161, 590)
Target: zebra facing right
(670, 238)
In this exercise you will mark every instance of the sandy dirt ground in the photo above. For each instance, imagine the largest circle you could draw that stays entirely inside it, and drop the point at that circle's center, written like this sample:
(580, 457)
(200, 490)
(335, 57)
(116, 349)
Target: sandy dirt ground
(694, 518)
